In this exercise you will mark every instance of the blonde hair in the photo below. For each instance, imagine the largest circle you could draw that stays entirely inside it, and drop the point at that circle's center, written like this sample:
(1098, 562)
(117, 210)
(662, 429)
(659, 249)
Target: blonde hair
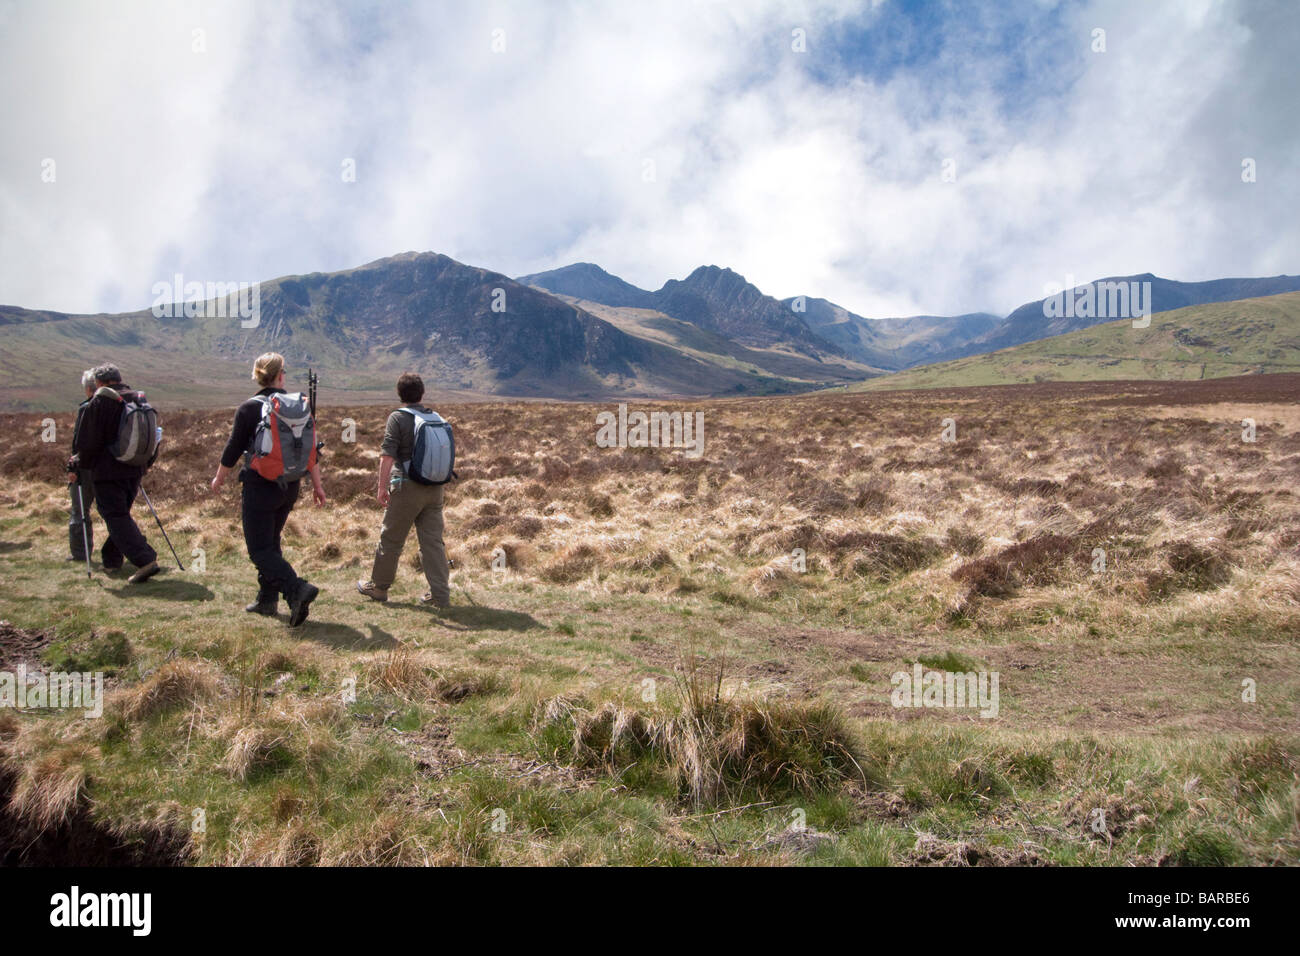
(267, 368)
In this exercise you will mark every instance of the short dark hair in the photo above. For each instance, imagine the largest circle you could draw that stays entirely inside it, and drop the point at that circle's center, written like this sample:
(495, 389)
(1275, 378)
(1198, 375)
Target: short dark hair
(108, 374)
(410, 387)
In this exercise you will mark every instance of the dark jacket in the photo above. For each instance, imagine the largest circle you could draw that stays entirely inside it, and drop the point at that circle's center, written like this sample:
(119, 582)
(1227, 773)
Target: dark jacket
(247, 417)
(76, 428)
(97, 431)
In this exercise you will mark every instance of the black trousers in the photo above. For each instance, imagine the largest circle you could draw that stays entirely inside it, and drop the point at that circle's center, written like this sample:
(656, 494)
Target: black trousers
(114, 498)
(80, 527)
(265, 509)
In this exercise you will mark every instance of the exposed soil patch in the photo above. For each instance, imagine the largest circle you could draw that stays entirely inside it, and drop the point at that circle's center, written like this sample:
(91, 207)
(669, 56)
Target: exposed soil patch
(932, 851)
(20, 646)
(81, 841)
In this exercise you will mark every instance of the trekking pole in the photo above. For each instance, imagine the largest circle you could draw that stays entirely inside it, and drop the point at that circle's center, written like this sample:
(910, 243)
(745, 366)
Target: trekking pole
(160, 527)
(85, 529)
(312, 380)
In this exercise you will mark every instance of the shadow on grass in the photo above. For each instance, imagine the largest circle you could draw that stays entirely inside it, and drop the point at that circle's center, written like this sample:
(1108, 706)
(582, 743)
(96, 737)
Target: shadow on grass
(8, 547)
(476, 617)
(169, 589)
(344, 636)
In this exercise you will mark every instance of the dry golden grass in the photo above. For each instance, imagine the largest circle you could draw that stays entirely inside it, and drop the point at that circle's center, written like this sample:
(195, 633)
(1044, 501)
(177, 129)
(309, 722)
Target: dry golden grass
(176, 683)
(49, 783)
(823, 541)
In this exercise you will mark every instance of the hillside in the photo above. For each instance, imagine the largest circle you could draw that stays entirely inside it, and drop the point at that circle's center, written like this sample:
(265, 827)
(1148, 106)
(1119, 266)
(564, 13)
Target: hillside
(585, 280)
(1030, 322)
(719, 301)
(469, 331)
(893, 343)
(1249, 336)
(780, 368)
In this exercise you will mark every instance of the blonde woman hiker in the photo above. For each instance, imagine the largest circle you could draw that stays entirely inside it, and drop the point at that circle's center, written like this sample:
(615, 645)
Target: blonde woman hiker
(275, 433)
(416, 461)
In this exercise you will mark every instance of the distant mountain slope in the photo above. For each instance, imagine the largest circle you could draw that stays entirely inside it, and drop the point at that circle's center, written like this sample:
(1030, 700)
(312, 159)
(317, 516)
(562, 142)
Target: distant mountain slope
(775, 364)
(1028, 323)
(584, 280)
(720, 300)
(715, 299)
(892, 343)
(1260, 335)
(462, 327)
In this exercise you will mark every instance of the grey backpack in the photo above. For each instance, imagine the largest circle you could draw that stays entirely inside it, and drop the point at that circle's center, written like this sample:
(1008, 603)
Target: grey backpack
(137, 429)
(433, 456)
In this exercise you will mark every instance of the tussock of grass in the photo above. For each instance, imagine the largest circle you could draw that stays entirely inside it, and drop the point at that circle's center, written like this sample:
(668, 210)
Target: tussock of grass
(1040, 560)
(714, 747)
(773, 577)
(573, 563)
(256, 747)
(174, 684)
(414, 677)
(49, 784)
(883, 556)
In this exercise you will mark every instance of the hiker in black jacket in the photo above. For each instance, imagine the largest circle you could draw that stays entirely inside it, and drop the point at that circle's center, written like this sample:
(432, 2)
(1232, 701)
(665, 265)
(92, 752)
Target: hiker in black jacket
(81, 530)
(266, 504)
(116, 483)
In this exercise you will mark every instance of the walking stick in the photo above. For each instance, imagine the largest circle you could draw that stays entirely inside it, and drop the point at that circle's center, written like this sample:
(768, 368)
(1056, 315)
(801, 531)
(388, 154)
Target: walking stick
(160, 527)
(312, 380)
(85, 530)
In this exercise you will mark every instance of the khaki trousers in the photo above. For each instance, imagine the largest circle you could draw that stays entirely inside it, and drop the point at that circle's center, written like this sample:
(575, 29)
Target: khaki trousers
(410, 504)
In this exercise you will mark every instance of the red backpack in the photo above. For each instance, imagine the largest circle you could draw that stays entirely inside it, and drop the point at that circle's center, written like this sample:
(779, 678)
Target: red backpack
(284, 444)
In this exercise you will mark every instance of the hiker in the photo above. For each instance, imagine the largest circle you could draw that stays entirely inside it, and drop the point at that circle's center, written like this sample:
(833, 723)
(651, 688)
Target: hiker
(116, 483)
(267, 502)
(81, 530)
(410, 499)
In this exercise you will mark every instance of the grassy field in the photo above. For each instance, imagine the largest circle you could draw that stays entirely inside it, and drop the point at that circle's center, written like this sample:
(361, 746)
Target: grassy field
(690, 661)
(1248, 336)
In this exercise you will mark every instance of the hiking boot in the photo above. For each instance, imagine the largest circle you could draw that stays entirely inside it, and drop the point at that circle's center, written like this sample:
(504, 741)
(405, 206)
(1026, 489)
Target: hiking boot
(427, 598)
(369, 589)
(145, 573)
(267, 608)
(302, 599)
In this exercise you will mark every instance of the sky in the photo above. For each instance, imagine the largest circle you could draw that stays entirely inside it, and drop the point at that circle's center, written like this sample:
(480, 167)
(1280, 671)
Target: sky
(897, 158)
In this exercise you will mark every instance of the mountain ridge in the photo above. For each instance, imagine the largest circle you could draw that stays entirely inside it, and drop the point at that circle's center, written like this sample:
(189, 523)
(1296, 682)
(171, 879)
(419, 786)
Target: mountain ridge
(462, 327)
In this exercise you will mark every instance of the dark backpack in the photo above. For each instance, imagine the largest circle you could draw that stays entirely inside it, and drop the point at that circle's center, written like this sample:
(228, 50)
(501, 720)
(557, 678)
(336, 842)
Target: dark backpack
(433, 456)
(137, 428)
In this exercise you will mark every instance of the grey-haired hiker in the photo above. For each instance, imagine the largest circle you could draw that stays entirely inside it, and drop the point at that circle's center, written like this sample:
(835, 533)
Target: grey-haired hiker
(116, 483)
(406, 503)
(81, 530)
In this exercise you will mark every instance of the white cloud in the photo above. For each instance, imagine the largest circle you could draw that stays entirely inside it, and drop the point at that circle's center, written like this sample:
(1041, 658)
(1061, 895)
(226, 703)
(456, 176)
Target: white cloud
(226, 164)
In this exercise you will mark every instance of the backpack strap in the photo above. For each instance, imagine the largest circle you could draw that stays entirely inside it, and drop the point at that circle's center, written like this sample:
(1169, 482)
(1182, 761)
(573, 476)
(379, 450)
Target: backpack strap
(265, 402)
(416, 417)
